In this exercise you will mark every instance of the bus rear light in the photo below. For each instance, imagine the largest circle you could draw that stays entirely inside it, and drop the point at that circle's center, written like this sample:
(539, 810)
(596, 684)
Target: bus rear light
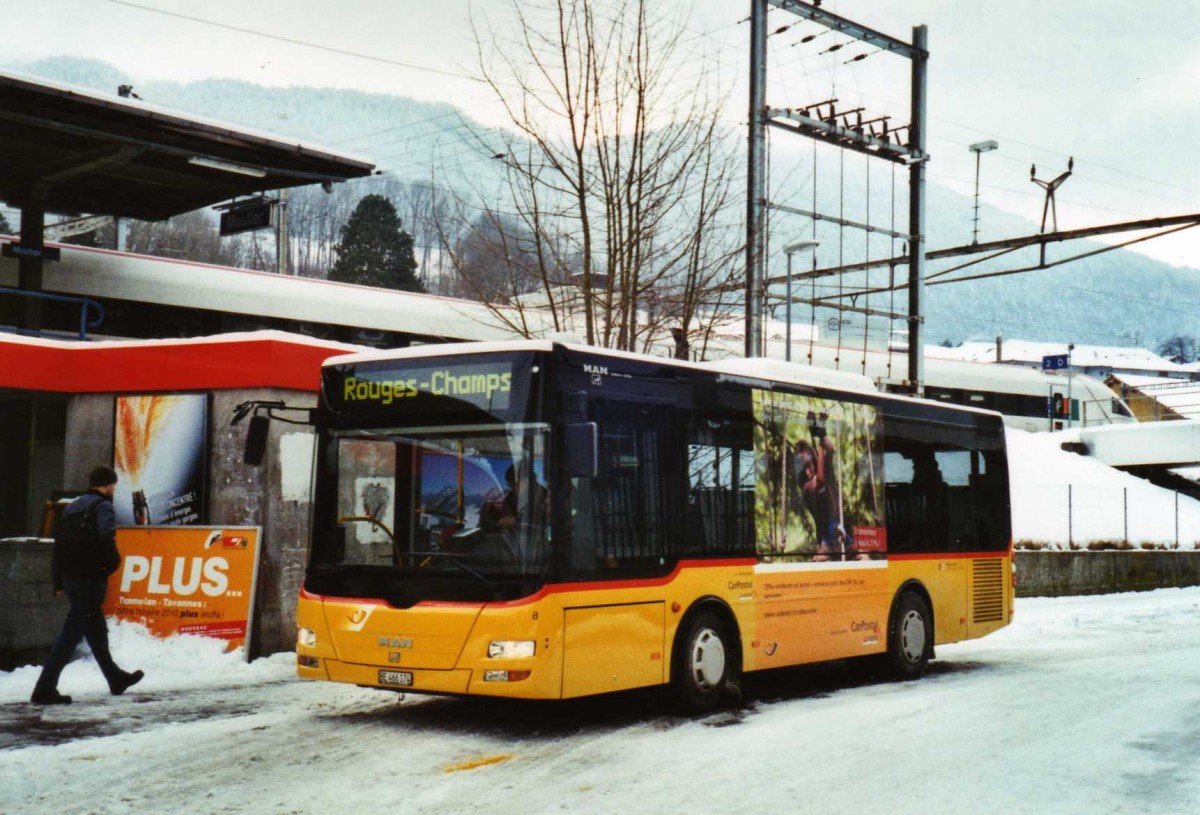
(511, 649)
(505, 676)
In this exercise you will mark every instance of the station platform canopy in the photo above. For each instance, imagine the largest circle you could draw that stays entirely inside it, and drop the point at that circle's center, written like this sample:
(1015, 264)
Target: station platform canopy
(72, 151)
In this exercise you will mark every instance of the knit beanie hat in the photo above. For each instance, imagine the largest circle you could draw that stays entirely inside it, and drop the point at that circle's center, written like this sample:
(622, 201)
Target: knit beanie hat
(102, 476)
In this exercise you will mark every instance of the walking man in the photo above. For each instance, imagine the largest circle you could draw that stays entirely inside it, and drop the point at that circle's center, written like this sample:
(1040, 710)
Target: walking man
(85, 554)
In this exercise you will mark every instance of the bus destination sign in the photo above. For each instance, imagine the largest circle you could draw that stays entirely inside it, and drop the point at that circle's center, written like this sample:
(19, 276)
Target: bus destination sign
(485, 385)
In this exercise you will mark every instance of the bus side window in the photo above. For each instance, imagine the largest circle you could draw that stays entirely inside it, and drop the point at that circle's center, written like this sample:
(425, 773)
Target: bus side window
(916, 499)
(900, 508)
(957, 510)
(721, 477)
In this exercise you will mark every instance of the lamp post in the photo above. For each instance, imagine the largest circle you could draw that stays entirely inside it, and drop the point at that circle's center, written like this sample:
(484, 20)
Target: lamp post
(789, 250)
(978, 149)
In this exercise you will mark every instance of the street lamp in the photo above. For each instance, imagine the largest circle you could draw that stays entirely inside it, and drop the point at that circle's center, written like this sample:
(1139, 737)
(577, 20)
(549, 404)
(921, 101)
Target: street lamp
(979, 148)
(789, 250)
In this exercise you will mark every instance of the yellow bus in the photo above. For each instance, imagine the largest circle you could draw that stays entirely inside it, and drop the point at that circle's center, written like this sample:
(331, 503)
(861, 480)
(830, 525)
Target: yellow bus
(546, 521)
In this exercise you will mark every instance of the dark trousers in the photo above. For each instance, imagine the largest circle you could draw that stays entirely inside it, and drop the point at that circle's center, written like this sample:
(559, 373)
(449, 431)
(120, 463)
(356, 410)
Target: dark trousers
(84, 620)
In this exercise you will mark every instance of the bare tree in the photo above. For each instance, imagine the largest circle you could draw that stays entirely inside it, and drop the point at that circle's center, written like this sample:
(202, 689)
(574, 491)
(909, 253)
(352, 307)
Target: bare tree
(1180, 349)
(315, 221)
(616, 169)
(497, 260)
(425, 207)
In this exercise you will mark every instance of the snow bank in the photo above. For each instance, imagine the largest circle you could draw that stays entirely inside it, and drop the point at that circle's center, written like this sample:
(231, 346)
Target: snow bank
(175, 663)
(1063, 500)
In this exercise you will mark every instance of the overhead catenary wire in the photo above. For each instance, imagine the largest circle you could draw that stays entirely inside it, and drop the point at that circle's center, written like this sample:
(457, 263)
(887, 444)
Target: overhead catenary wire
(698, 35)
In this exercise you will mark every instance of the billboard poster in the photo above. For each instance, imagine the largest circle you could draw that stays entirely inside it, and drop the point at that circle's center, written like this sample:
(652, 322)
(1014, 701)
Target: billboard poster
(819, 479)
(159, 452)
(186, 580)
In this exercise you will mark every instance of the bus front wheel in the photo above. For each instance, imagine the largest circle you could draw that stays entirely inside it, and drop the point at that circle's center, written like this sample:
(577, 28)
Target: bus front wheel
(702, 662)
(910, 637)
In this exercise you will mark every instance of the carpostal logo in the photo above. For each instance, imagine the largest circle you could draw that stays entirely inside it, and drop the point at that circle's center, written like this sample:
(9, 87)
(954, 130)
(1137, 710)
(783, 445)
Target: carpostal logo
(437, 383)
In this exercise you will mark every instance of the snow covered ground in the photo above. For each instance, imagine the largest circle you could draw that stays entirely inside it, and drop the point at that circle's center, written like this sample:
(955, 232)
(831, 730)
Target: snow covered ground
(1084, 705)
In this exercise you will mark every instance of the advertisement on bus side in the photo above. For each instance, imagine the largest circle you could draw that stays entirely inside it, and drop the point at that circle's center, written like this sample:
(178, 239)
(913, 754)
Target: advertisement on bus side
(819, 486)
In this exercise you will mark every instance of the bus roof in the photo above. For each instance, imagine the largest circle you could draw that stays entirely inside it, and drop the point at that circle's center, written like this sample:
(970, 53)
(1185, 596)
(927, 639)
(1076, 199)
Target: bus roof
(767, 370)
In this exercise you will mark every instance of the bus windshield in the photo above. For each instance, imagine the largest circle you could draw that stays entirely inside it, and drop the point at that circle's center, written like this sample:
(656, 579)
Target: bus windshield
(453, 498)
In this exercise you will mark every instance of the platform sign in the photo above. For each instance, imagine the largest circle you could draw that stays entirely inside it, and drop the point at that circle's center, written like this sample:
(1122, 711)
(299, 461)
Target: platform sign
(43, 253)
(187, 580)
(1056, 362)
(247, 218)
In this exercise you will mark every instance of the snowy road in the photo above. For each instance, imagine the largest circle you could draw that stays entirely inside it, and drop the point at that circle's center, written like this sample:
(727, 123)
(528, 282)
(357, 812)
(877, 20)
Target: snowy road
(1084, 705)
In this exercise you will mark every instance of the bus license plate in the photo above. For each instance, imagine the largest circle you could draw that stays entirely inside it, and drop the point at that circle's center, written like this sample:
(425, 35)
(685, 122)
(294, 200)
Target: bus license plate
(400, 678)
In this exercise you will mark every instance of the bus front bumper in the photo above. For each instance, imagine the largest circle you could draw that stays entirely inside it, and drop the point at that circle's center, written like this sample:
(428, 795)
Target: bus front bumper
(398, 678)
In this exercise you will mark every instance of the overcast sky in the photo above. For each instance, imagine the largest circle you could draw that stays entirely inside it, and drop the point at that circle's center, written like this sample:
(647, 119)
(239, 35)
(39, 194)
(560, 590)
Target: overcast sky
(1110, 83)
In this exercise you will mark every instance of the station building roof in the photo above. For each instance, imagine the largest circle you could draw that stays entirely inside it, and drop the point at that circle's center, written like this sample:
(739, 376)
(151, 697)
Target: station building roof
(78, 151)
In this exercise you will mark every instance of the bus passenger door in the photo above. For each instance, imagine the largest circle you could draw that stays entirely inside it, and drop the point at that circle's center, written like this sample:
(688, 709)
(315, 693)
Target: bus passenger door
(611, 648)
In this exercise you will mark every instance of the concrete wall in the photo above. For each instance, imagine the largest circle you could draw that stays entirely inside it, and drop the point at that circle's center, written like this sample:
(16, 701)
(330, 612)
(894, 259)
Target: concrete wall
(1054, 574)
(265, 496)
(30, 616)
(273, 496)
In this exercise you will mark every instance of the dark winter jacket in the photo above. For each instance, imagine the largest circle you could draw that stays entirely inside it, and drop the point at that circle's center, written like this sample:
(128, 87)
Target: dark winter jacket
(100, 558)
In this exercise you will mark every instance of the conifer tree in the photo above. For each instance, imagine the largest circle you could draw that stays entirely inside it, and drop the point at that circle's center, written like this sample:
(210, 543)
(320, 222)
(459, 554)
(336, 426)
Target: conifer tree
(374, 250)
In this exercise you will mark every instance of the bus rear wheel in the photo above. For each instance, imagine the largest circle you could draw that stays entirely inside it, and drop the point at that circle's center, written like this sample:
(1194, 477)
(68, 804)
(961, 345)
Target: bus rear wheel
(703, 667)
(910, 637)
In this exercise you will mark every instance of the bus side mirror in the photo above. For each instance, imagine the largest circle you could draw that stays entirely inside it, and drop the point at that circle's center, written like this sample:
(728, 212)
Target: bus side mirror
(580, 448)
(256, 440)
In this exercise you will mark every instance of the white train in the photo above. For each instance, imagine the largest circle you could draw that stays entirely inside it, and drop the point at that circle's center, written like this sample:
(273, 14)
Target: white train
(1024, 395)
(150, 297)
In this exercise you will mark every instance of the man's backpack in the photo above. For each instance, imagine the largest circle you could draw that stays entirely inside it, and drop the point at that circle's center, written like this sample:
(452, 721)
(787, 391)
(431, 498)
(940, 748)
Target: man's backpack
(75, 542)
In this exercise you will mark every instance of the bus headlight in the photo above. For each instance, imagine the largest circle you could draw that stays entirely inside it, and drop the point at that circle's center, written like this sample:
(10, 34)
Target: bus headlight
(306, 637)
(511, 649)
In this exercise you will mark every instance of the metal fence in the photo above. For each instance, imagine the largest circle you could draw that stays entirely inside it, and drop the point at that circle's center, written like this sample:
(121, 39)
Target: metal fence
(1086, 516)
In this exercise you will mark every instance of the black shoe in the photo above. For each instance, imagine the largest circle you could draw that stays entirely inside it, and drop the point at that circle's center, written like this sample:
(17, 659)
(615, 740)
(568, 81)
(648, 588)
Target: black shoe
(49, 697)
(126, 682)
